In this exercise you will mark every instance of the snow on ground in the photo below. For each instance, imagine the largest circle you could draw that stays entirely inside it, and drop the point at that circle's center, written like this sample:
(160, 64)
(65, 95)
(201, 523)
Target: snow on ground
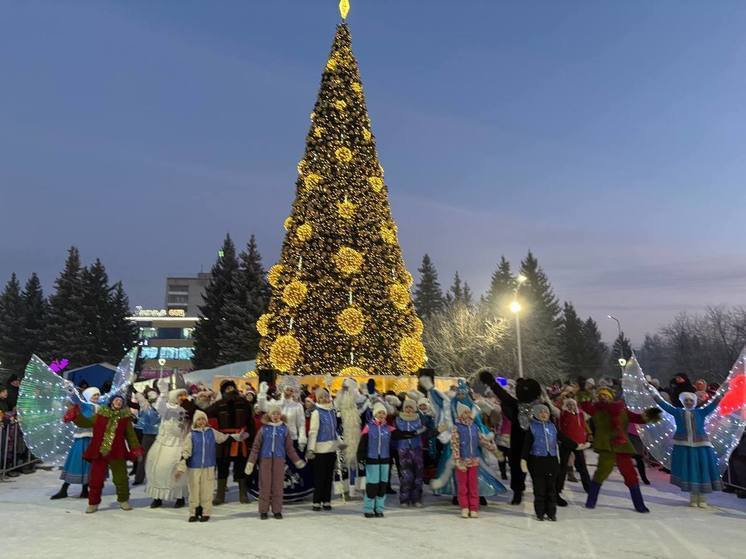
(35, 527)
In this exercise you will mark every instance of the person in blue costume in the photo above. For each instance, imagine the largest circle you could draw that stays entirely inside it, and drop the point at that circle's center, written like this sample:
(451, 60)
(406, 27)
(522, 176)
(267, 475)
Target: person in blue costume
(76, 469)
(694, 465)
(445, 481)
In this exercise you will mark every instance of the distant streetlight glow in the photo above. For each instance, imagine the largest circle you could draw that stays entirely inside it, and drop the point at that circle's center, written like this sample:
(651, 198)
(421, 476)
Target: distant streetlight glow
(515, 307)
(521, 278)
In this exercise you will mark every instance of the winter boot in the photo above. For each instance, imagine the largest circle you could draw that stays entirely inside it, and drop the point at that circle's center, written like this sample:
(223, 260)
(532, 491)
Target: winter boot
(636, 495)
(517, 498)
(263, 516)
(561, 502)
(693, 501)
(594, 489)
(482, 501)
(278, 516)
(84, 492)
(91, 509)
(571, 477)
(220, 495)
(62, 493)
(157, 503)
(504, 470)
(464, 513)
(125, 505)
(474, 514)
(179, 503)
(204, 518)
(243, 495)
(702, 502)
(194, 518)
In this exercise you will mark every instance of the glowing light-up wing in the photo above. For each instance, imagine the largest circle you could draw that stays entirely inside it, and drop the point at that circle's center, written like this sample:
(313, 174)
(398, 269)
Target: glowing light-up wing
(657, 437)
(124, 376)
(42, 400)
(725, 425)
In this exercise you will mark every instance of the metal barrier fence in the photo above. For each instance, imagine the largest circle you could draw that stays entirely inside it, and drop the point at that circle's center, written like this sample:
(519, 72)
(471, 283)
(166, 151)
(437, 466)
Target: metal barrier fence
(14, 454)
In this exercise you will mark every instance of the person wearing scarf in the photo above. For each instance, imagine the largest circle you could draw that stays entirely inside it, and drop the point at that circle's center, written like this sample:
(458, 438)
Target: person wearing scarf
(611, 443)
(113, 443)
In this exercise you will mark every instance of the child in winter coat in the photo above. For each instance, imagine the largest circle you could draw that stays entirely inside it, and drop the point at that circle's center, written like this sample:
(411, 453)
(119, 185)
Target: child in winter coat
(374, 452)
(573, 425)
(465, 442)
(540, 460)
(198, 459)
(411, 461)
(271, 446)
(323, 443)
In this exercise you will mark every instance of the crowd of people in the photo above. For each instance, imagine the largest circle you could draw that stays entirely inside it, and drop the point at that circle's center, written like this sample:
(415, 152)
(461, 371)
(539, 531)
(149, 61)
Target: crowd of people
(286, 442)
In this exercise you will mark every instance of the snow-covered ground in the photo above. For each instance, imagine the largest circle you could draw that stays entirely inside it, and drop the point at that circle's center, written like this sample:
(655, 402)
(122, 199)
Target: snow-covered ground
(33, 526)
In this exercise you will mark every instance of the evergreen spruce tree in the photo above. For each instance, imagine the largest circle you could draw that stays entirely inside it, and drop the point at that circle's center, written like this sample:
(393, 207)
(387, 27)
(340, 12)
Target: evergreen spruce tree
(428, 296)
(35, 308)
(541, 319)
(96, 311)
(459, 294)
(246, 302)
(501, 290)
(66, 330)
(572, 341)
(207, 330)
(121, 334)
(12, 317)
(340, 300)
(594, 350)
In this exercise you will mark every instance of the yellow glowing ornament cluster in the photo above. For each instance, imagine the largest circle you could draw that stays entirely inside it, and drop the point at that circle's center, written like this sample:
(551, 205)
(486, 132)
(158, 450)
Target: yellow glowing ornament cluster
(376, 183)
(288, 223)
(357, 87)
(274, 276)
(408, 278)
(418, 327)
(353, 372)
(262, 324)
(311, 180)
(340, 105)
(302, 163)
(346, 209)
(331, 64)
(351, 321)
(294, 293)
(284, 353)
(412, 353)
(399, 296)
(318, 131)
(344, 154)
(348, 260)
(367, 135)
(304, 232)
(388, 234)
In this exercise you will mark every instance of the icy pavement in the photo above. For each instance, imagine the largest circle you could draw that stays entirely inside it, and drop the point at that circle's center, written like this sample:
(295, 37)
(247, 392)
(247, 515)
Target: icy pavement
(35, 527)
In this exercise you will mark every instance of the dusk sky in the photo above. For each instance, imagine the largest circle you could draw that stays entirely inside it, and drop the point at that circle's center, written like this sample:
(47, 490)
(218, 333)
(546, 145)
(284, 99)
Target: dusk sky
(608, 137)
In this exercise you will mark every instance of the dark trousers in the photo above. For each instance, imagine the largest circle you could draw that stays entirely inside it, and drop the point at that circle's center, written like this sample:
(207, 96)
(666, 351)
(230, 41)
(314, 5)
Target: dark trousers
(224, 467)
(580, 466)
(323, 476)
(544, 470)
(147, 442)
(517, 477)
(411, 469)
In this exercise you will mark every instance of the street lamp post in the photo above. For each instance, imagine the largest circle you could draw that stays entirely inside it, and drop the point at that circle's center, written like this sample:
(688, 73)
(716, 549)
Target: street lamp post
(515, 308)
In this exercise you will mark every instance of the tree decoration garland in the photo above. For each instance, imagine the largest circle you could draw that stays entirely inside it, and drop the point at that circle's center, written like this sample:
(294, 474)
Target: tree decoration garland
(351, 321)
(412, 353)
(346, 209)
(376, 183)
(348, 260)
(311, 180)
(284, 353)
(294, 293)
(340, 105)
(344, 154)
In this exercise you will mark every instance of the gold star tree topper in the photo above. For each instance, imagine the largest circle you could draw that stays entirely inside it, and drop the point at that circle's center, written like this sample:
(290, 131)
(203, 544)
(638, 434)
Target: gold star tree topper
(344, 8)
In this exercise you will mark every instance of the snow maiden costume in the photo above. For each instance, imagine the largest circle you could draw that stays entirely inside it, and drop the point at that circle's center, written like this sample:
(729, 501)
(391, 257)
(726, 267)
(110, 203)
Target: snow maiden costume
(694, 466)
(165, 453)
(323, 443)
(445, 482)
(76, 469)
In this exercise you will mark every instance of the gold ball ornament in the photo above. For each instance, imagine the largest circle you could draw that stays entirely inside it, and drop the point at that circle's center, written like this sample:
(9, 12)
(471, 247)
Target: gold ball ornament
(408, 278)
(388, 234)
(346, 209)
(418, 327)
(367, 135)
(274, 276)
(353, 372)
(331, 64)
(311, 180)
(304, 232)
(399, 296)
(357, 87)
(376, 183)
(294, 293)
(351, 321)
(343, 154)
(262, 324)
(348, 260)
(284, 353)
(288, 223)
(340, 105)
(319, 131)
(412, 353)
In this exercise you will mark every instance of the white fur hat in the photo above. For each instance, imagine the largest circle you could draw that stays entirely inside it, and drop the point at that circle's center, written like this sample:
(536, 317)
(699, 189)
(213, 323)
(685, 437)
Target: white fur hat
(197, 415)
(173, 395)
(378, 406)
(409, 402)
(90, 392)
(393, 401)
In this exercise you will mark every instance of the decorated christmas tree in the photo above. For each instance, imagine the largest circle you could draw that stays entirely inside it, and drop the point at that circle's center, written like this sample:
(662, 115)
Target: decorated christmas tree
(341, 299)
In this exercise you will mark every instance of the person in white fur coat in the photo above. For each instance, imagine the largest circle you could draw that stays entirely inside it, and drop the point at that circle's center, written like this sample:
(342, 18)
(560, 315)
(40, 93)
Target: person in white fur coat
(165, 454)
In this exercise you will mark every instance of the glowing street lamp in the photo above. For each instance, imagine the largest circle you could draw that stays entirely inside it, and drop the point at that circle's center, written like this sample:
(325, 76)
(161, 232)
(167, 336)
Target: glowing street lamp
(515, 308)
(622, 361)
